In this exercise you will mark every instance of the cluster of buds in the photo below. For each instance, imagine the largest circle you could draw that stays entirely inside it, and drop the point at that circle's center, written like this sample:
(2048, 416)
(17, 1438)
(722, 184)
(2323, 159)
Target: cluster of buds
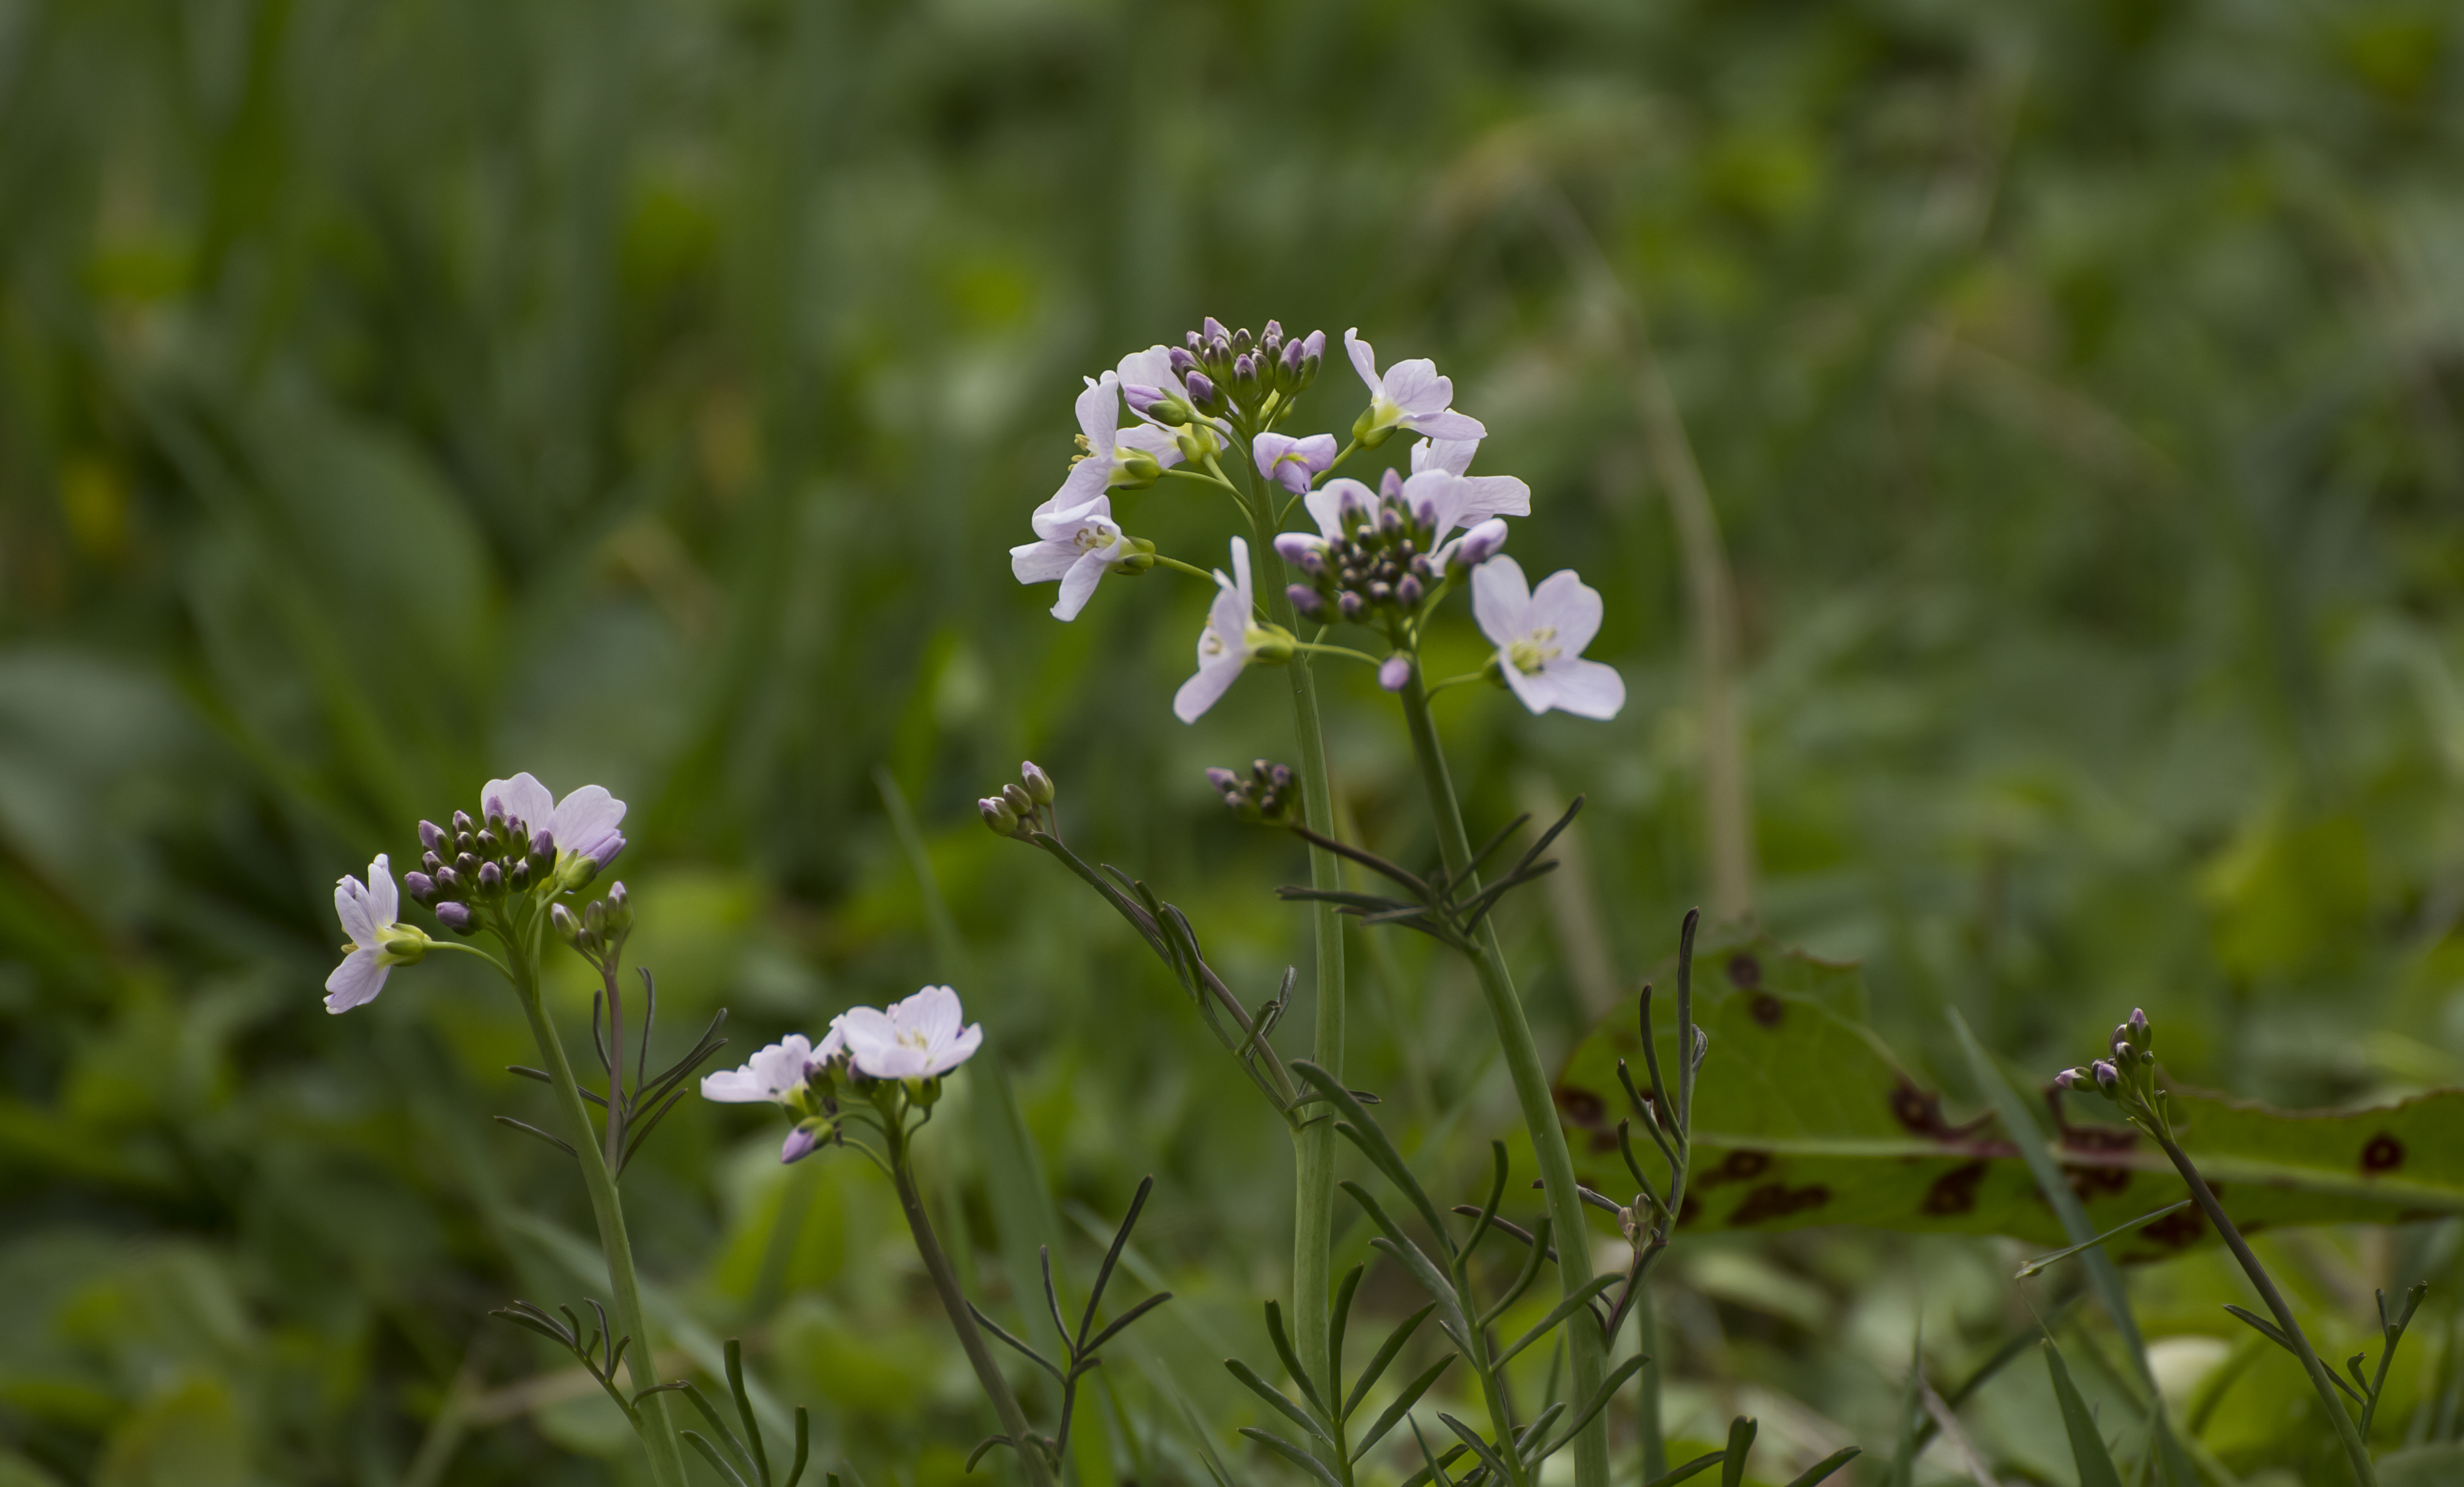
(1269, 794)
(598, 932)
(1024, 808)
(479, 863)
(1252, 382)
(2128, 1075)
(1380, 558)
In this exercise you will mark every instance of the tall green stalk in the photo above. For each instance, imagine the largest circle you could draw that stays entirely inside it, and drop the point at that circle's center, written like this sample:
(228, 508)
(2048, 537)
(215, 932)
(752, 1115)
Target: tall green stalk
(659, 1437)
(1314, 1141)
(1531, 1091)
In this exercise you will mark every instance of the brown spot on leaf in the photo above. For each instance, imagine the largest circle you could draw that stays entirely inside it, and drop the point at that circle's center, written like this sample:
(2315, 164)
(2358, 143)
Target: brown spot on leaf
(2091, 1182)
(2177, 1229)
(1777, 1200)
(2384, 1154)
(1744, 970)
(1767, 1009)
(1603, 1141)
(1582, 1107)
(1954, 1192)
(1689, 1211)
(1737, 1166)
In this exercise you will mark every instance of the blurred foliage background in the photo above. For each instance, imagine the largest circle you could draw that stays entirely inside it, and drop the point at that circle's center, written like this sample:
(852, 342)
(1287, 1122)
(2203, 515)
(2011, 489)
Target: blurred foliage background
(645, 392)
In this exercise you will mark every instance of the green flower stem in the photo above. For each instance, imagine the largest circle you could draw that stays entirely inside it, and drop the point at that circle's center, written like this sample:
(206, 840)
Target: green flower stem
(1027, 1444)
(1530, 1083)
(2357, 1451)
(1646, 1414)
(1190, 569)
(1313, 1142)
(658, 1426)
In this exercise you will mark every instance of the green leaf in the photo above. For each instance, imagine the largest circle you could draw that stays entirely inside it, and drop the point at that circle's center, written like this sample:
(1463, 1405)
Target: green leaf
(2087, 1447)
(1822, 1469)
(1803, 1117)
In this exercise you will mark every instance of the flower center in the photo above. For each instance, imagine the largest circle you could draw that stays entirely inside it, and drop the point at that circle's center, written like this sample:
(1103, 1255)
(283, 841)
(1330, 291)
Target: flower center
(1090, 536)
(1532, 653)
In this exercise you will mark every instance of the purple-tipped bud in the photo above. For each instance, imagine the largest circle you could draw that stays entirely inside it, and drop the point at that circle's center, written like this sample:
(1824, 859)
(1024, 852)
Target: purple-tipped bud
(1273, 332)
(998, 815)
(543, 844)
(1202, 389)
(1381, 592)
(448, 882)
(1211, 329)
(468, 865)
(1140, 397)
(1389, 519)
(801, 1142)
(1245, 373)
(1480, 543)
(431, 835)
(522, 874)
(2109, 1079)
(620, 907)
(1224, 781)
(462, 823)
(431, 861)
(1183, 363)
(1298, 547)
(1395, 673)
(2121, 1035)
(567, 928)
(1191, 341)
(1241, 342)
(455, 917)
(421, 887)
(1291, 360)
(1039, 784)
(1390, 485)
(2139, 1030)
(490, 844)
(1280, 776)
(1018, 799)
(496, 821)
(1307, 601)
(492, 879)
(1349, 603)
(1410, 592)
(594, 916)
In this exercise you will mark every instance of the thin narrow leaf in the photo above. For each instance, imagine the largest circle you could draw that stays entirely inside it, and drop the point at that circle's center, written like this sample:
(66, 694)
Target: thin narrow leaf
(1293, 1453)
(528, 1129)
(1741, 1445)
(1276, 1397)
(1598, 1402)
(1006, 1335)
(803, 1447)
(1675, 1475)
(1423, 1269)
(1822, 1469)
(984, 1444)
(543, 1078)
(744, 1409)
(1386, 1352)
(719, 1427)
(1445, 1458)
(2088, 1452)
(1402, 1404)
(1480, 1448)
(1433, 1471)
(1539, 1250)
(1336, 1325)
(719, 1464)
(1121, 1324)
(1371, 1138)
(1574, 1301)
(1292, 1359)
(2043, 1261)
(2275, 1335)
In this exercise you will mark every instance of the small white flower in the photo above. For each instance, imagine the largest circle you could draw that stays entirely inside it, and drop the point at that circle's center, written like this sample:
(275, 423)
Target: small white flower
(918, 1038)
(1078, 545)
(582, 824)
(776, 1074)
(1115, 457)
(1230, 641)
(1410, 395)
(378, 943)
(1483, 495)
(1540, 636)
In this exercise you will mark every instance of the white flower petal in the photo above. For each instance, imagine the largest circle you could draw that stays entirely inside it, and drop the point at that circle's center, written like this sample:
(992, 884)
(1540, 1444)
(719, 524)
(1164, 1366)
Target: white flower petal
(385, 899)
(1414, 387)
(522, 798)
(1042, 563)
(1329, 502)
(932, 1013)
(358, 980)
(1448, 455)
(1532, 689)
(1566, 604)
(1500, 599)
(1449, 426)
(1586, 689)
(586, 822)
(1205, 689)
(1487, 496)
(1078, 582)
(355, 907)
(1099, 415)
(957, 1049)
(874, 1045)
(1364, 361)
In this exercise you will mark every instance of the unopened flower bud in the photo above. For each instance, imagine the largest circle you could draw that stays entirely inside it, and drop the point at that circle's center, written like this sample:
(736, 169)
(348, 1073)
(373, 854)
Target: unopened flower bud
(2141, 1034)
(620, 910)
(1409, 592)
(522, 874)
(1224, 781)
(431, 861)
(1039, 784)
(455, 917)
(448, 882)
(1182, 362)
(1298, 547)
(1202, 390)
(1211, 329)
(1019, 799)
(421, 887)
(1307, 601)
(998, 815)
(431, 835)
(1479, 544)
(1349, 603)
(802, 1140)
(543, 844)
(465, 842)
(594, 916)
(1241, 342)
(462, 823)
(496, 821)
(1148, 402)
(2068, 1078)
(1395, 673)
(1245, 378)
(488, 844)
(2107, 1078)
(567, 928)
(1271, 643)
(2121, 1035)
(492, 879)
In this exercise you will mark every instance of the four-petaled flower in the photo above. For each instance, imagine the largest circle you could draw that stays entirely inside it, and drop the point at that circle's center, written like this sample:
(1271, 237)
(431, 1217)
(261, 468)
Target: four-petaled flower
(378, 944)
(1410, 395)
(1483, 495)
(776, 1074)
(1230, 641)
(1293, 463)
(918, 1038)
(582, 824)
(1114, 455)
(1540, 635)
(1078, 545)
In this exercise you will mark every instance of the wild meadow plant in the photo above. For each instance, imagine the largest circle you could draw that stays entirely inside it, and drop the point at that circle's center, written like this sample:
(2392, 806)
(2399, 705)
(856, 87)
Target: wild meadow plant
(1365, 581)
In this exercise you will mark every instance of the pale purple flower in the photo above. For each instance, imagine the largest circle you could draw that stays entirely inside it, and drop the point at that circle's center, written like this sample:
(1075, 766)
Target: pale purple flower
(1338, 504)
(1483, 495)
(1293, 463)
(582, 824)
(918, 1038)
(1078, 545)
(1540, 636)
(1409, 395)
(1395, 671)
(378, 943)
(776, 1074)
(1225, 646)
(1114, 457)
(1473, 548)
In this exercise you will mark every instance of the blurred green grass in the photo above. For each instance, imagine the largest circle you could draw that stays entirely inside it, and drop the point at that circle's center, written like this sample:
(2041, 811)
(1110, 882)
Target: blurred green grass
(395, 395)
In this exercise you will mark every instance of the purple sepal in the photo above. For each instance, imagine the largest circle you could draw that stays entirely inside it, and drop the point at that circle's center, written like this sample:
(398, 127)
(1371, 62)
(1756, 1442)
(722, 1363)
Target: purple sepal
(421, 887)
(1202, 388)
(455, 917)
(800, 1144)
(431, 835)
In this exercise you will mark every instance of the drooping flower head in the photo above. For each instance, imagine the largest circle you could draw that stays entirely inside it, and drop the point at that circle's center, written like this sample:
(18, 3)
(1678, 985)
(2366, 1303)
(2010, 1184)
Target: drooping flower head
(918, 1038)
(1233, 639)
(378, 943)
(1540, 636)
(1409, 394)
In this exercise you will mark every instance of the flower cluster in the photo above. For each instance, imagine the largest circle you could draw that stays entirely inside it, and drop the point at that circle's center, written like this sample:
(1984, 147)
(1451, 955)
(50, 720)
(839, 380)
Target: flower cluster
(1024, 808)
(2128, 1077)
(1270, 793)
(525, 838)
(1379, 557)
(893, 1057)
(1248, 383)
